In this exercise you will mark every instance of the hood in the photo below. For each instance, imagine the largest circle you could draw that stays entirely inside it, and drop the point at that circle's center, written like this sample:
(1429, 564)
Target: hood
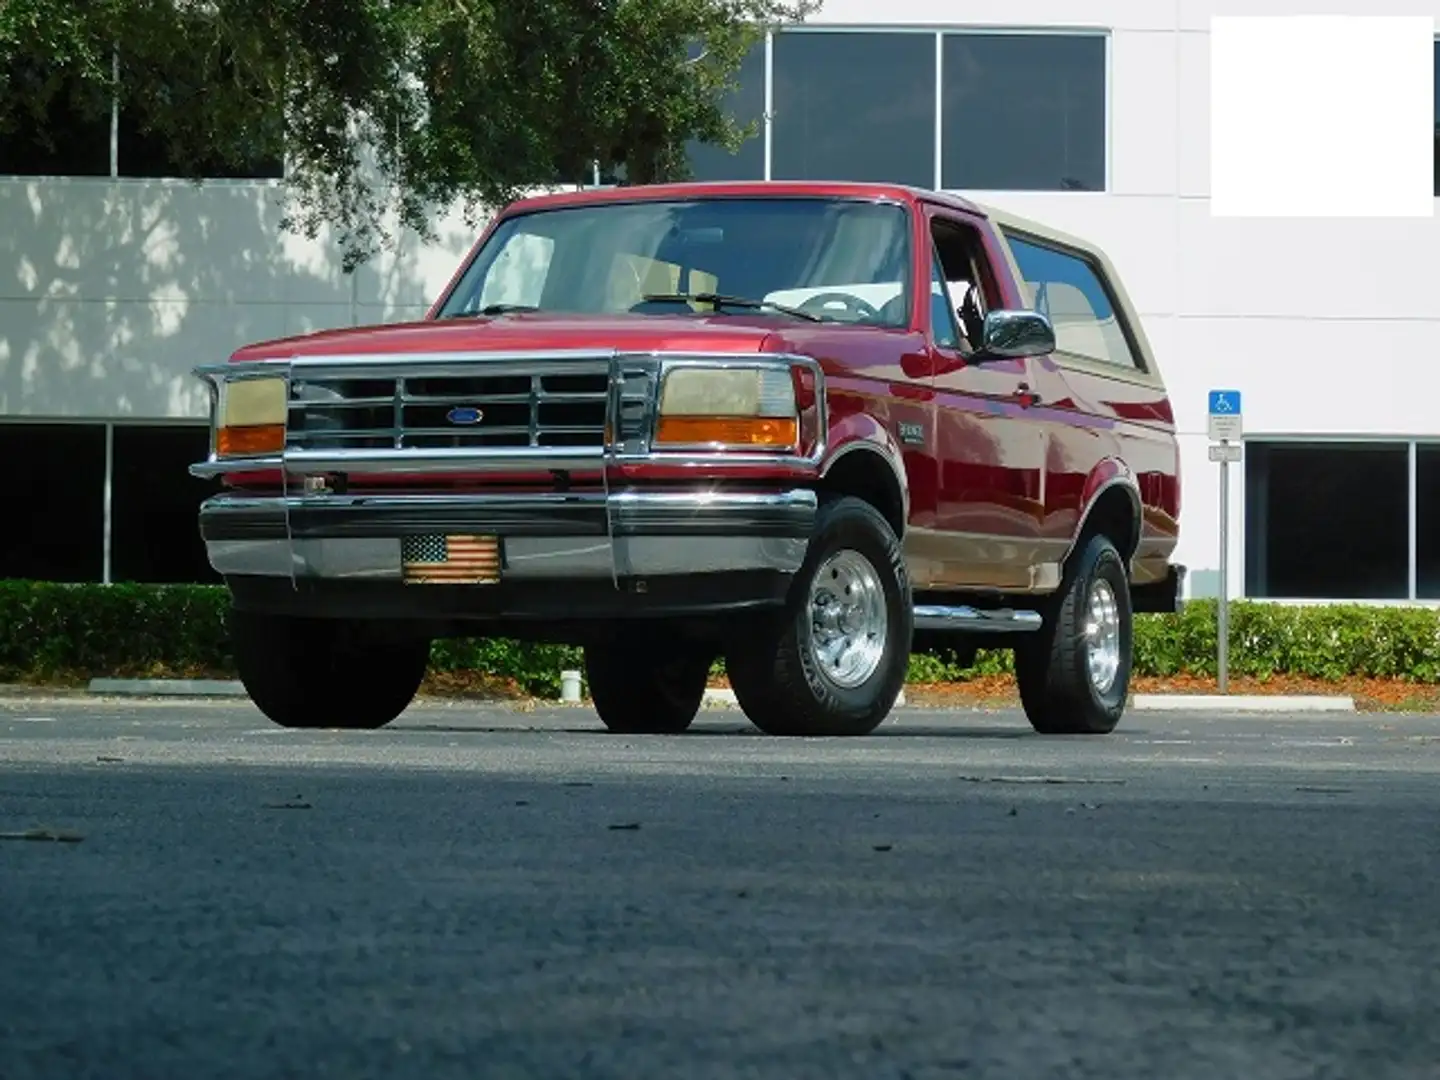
(530, 331)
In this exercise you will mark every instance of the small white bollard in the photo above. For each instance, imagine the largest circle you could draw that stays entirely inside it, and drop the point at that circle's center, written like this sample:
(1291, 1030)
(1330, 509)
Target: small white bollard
(570, 686)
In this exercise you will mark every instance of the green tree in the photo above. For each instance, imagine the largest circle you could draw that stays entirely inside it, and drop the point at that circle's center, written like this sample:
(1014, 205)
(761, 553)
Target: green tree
(387, 108)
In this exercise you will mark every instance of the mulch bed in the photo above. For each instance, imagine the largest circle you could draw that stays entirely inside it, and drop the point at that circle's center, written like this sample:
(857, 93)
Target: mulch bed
(1370, 695)
(998, 691)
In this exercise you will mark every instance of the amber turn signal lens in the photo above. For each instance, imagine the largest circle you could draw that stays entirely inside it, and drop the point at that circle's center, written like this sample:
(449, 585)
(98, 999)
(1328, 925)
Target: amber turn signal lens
(773, 433)
(251, 439)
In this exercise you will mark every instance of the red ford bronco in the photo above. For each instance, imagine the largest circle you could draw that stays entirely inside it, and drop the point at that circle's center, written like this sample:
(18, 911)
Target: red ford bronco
(803, 426)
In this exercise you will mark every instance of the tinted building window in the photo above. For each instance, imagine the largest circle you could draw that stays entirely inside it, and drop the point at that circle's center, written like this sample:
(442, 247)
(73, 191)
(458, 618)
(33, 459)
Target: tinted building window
(746, 105)
(1437, 118)
(1327, 521)
(144, 154)
(54, 501)
(72, 139)
(854, 106)
(1023, 112)
(1427, 521)
(141, 152)
(155, 504)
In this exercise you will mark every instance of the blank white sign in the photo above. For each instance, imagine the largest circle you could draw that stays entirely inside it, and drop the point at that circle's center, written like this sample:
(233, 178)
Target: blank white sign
(1322, 116)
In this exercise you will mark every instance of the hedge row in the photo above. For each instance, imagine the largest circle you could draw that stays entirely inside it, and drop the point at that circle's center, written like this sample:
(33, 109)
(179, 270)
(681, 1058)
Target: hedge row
(56, 633)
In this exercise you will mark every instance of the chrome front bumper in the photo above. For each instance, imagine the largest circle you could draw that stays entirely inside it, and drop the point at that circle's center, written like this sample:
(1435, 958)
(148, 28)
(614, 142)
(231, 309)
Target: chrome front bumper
(543, 537)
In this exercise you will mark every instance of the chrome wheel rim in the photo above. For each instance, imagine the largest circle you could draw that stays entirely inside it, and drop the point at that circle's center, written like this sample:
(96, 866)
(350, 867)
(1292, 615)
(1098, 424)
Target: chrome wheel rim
(848, 619)
(1102, 636)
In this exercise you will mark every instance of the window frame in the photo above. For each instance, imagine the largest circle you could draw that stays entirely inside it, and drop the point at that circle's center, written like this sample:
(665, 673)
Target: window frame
(910, 264)
(1240, 497)
(937, 277)
(1144, 370)
(1245, 497)
(939, 32)
(1107, 99)
(864, 30)
(937, 219)
(120, 428)
(115, 175)
(106, 429)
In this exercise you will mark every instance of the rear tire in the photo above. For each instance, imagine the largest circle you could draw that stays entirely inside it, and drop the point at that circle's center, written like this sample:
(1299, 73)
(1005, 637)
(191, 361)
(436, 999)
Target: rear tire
(1074, 673)
(834, 661)
(326, 673)
(649, 686)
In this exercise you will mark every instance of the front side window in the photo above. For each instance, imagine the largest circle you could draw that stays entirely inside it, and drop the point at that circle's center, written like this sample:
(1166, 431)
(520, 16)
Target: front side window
(835, 260)
(1069, 290)
(942, 316)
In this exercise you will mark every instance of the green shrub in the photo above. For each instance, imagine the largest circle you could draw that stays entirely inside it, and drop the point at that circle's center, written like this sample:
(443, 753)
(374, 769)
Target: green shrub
(57, 633)
(1321, 642)
(536, 668)
(53, 632)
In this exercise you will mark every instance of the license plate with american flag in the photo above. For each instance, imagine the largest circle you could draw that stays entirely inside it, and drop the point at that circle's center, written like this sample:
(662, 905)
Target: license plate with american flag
(450, 560)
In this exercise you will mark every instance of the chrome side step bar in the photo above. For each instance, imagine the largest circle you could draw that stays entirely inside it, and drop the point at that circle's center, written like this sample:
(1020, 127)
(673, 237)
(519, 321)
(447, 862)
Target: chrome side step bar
(1003, 620)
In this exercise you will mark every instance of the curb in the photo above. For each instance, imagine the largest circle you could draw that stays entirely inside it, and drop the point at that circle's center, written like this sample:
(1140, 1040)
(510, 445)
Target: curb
(1262, 703)
(726, 699)
(225, 688)
(27, 690)
(233, 688)
(168, 687)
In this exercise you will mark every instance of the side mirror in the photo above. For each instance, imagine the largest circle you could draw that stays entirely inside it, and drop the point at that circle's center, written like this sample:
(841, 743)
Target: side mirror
(1016, 333)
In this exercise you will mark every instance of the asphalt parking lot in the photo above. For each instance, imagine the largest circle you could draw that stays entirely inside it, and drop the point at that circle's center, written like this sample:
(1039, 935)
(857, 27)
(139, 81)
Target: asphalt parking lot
(488, 892)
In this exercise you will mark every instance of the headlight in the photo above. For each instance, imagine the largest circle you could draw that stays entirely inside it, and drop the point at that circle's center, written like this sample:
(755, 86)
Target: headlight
(250, 417)
(730, 406)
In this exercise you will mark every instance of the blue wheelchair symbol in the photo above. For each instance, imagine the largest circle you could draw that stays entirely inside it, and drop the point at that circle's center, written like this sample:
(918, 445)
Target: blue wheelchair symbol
(1224, 402)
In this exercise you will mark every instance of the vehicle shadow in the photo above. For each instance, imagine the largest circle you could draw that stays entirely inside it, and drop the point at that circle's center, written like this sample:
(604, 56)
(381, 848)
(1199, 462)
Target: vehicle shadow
(738, 729)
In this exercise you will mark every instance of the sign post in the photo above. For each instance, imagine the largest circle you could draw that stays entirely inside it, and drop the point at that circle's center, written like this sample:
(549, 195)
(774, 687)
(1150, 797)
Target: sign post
(1226, 431)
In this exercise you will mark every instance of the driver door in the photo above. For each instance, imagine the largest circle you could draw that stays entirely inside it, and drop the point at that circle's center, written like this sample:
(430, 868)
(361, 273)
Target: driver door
(991, 456)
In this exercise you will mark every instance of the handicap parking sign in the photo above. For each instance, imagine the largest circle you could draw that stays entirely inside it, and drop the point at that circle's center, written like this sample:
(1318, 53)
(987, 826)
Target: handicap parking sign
(1225, 423)
(1224, 402)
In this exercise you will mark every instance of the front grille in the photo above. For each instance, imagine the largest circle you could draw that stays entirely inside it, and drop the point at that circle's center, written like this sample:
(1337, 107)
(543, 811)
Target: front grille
(557, 408)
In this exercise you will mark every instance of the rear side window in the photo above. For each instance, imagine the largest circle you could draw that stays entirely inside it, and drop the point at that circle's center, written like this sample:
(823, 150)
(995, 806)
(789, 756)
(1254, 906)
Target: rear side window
(1070, 290)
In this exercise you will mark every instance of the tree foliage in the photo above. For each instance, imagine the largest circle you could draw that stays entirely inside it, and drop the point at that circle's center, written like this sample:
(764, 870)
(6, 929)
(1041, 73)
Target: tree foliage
(387, 108)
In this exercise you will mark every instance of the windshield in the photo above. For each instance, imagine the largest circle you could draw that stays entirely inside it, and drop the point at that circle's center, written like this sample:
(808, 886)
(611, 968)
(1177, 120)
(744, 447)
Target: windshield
(836, 260)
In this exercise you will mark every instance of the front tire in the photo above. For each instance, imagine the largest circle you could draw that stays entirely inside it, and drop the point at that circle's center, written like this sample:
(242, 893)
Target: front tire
(1074, 673)
(834, 662)
(326, 673)
(649, 686)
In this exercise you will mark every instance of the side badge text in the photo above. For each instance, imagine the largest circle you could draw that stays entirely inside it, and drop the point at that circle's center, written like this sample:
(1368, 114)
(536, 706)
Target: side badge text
(913, 434)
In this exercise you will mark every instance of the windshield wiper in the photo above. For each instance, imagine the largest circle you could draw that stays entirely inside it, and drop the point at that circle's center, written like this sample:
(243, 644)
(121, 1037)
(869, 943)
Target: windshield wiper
(491, 309)
(721, 301)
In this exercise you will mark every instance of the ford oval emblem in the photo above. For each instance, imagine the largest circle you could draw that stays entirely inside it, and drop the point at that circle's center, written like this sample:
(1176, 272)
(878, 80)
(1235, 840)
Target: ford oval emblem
(464, 414)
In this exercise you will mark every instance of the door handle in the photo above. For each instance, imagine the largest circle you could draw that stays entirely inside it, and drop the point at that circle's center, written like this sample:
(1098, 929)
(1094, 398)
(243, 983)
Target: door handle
(1026, 396)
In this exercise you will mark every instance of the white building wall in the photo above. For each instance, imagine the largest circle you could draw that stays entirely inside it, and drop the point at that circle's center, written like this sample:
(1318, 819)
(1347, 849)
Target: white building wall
(1328, 327)
(115, 289)
(118, 288)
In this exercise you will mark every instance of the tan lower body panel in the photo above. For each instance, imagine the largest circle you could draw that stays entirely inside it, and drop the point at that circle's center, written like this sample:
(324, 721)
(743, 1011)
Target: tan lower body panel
(956, 560)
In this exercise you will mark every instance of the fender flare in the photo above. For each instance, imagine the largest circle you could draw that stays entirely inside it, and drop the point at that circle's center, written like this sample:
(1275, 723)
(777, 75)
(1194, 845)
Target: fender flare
(861, 433)
(1109, 474)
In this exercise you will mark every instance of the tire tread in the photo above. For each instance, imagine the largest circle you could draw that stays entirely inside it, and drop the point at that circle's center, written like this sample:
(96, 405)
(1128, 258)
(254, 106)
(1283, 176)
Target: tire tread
(772, 674)
(1054, 684)
(319, 673)
(628, 684)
